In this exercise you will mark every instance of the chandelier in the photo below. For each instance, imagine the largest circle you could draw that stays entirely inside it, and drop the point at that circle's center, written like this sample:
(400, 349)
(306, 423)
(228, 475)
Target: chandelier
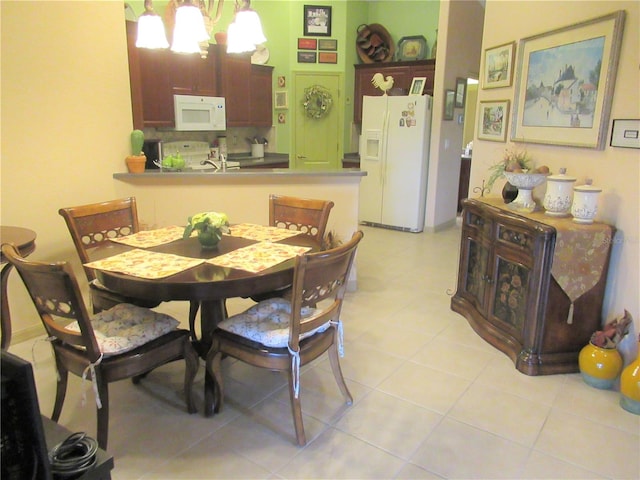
(190, 25)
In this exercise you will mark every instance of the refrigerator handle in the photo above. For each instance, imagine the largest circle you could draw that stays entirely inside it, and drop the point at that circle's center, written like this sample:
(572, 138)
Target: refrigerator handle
(385, 142)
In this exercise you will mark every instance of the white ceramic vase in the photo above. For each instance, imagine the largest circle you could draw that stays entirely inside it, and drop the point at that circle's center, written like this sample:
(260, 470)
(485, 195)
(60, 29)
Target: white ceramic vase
(559, 194)
(585, 202)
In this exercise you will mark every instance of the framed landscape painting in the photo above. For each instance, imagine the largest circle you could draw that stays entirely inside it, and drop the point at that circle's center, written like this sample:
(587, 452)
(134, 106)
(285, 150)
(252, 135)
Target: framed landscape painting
(565, 83)
(492, 120)
(498, 66)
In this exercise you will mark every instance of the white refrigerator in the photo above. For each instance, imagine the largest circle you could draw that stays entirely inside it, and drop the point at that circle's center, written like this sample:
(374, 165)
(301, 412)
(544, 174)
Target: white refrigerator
(394, 151)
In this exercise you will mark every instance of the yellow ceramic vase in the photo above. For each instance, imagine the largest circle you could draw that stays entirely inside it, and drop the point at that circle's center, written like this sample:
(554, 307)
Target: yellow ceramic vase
(630, 386)
(599, 366)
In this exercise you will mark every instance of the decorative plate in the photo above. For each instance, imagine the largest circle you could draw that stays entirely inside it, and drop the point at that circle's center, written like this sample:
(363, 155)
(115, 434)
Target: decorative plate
(260, 56)
(412, 48)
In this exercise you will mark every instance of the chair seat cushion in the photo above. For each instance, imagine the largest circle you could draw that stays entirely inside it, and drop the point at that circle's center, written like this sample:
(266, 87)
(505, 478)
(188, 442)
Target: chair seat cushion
(267, 322)
(125, 327)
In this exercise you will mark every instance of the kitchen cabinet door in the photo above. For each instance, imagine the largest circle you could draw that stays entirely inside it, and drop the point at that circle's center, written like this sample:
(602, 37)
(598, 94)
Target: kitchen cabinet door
(193, 75)
(235, 83)
(150, 81)
(261, 96)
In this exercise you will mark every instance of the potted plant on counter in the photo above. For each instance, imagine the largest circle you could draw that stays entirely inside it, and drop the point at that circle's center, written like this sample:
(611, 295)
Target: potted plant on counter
(137, 160)
(210, 227)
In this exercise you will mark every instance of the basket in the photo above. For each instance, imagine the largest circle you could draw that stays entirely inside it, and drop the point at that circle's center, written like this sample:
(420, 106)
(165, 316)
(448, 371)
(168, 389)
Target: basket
(374, 44)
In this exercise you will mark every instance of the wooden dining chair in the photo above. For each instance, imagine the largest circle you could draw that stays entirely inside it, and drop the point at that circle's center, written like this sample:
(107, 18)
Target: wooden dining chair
(284, 335)
(92, 226)
(124, 342)
(306, 215)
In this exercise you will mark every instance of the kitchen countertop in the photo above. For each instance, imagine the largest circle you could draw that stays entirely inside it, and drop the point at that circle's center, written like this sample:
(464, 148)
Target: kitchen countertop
(240, 173)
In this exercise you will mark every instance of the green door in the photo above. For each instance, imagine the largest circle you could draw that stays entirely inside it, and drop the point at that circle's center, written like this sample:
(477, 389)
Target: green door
(317, 137)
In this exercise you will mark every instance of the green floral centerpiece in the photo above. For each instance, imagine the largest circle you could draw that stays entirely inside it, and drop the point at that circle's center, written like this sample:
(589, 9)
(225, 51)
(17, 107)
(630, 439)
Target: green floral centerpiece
(210, 227)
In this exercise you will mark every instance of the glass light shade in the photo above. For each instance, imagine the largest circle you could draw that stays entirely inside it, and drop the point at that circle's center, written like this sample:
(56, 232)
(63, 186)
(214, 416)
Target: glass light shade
(245, 33)
(151, 32)
(189, 30)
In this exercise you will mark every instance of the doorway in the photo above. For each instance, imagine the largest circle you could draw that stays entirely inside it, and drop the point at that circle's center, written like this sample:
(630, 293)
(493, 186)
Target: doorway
(318, 120)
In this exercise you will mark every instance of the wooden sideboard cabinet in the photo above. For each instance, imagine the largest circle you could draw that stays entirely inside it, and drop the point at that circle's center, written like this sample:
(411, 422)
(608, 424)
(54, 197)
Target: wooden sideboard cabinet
(403, 74)
(524, 287)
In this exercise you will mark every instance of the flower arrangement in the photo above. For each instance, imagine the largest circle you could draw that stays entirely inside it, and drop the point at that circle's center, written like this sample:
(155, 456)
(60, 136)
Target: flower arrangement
(209, 225)
(612, 332)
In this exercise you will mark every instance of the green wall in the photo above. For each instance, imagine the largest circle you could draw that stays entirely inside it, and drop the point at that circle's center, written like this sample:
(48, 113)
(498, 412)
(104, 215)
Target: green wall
(282, 21)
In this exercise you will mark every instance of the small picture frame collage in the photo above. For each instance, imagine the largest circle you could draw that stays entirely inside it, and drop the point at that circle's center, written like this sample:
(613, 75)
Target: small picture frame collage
(317, 23)
(455, 99)
(312, 50)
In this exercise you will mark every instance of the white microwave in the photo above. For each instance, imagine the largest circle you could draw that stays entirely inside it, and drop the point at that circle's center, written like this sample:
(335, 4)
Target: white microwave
(194, 112)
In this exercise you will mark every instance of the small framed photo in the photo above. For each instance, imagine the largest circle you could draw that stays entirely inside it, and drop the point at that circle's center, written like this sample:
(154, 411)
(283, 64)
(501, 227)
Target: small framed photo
(307, 57)
(307, 44)
(498, 66)
(317, 21)
(492, 120)
(449, 104)
(328, 44)
(327, 57)
(625, 133)
(461, 92)
(417, 85)
(281, 100)
(282, 81)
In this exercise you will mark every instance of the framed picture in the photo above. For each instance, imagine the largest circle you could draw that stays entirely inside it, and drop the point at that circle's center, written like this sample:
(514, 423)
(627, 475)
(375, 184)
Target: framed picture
(282, 81)
(327, 57)
(281, 100)
(327, 44)
(417, 85)
(565, 82)
(492, 120)
(307, 57)
(625, 133)
(449, 104)
(461, 92)
(498, 66)
(317, 21)
(307, 44)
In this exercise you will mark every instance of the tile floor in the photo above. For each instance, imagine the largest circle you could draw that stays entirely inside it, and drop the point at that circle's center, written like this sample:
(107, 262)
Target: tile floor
(431, 398)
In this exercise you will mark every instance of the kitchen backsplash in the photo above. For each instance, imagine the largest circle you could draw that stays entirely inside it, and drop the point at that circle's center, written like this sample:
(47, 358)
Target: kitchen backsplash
(237, 138)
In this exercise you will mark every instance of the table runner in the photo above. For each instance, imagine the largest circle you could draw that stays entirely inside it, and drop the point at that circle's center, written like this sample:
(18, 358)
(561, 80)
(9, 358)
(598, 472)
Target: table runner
(145, 264)
(258, 257)
(581, 253)
(261, 233)
(151, 238)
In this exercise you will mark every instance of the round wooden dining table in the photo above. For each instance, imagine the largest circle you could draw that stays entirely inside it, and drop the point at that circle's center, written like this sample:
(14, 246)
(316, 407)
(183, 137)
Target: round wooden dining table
(25, 241)
(205, 285)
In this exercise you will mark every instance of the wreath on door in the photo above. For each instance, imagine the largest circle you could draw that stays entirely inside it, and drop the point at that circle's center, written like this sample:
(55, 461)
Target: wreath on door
(317, 101)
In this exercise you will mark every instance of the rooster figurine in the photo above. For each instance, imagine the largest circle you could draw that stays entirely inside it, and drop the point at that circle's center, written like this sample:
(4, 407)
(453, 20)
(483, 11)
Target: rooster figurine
(382, 83)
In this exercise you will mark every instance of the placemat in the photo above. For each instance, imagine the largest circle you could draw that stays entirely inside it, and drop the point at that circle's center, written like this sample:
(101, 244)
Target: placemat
(151, 238)
(258, 257)
(261, 233)
(145, 264)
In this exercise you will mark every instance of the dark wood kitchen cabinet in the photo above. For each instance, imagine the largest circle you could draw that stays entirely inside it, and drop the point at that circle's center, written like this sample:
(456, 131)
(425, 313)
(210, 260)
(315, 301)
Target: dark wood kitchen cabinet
(403, 74)
(522, 284)
(156, 75)
(193, 75)
(247, 90)
(261, 96)
(151, 84)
